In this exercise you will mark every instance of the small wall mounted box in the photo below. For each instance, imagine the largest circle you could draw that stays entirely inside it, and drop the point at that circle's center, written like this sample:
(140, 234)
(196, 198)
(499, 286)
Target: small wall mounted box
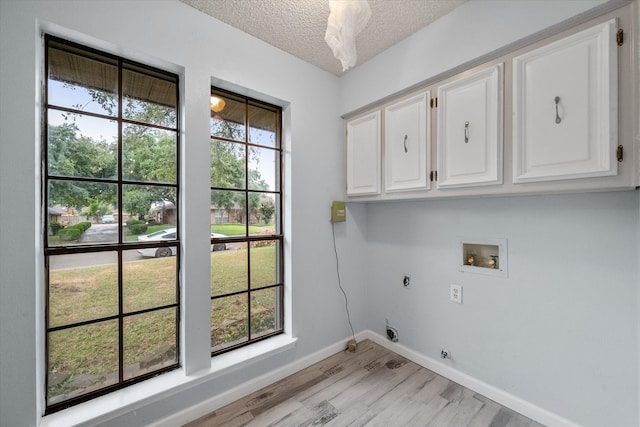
(483, 256)
(338, 211)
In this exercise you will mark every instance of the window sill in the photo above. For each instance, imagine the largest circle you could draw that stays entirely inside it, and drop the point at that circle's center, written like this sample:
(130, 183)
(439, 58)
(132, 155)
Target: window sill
(136, 396)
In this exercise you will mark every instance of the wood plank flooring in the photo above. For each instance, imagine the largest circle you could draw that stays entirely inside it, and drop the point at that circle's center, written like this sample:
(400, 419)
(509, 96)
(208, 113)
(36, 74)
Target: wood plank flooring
(371, 387)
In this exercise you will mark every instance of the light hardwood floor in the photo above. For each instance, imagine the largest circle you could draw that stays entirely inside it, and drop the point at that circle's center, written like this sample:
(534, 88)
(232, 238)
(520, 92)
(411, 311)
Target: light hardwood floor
(371, 387)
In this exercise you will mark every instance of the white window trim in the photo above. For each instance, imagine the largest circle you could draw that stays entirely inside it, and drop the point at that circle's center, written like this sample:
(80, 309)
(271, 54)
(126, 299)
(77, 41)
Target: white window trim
(105, 408)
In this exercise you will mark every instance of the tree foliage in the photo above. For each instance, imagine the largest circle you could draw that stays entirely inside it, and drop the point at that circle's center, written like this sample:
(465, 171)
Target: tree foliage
(73, 155)
(267, 209)
(149, 155)
(228, 170)
(96, 209)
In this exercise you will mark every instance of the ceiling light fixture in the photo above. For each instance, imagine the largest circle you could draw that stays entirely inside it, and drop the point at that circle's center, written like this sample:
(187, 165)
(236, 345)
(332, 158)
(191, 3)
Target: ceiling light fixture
(217, 104)
(347, 18)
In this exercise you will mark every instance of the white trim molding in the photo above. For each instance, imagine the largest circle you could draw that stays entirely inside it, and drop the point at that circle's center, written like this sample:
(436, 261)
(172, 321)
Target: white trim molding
(502, 397)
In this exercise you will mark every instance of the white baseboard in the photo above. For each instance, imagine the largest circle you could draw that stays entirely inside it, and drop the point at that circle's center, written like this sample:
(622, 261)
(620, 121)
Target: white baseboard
(502, 397)
(244, 389)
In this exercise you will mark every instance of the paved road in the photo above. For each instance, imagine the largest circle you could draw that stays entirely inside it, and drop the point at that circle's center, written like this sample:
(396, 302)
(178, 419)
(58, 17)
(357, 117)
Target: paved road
(100, 233)
(95, 234)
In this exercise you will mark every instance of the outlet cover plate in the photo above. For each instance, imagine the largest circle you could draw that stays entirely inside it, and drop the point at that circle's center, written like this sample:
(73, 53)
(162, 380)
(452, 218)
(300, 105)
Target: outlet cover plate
(455, 293)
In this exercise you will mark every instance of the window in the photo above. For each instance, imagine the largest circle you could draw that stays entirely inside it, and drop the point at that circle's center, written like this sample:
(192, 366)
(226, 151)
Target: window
(246, 221)
(111, 241)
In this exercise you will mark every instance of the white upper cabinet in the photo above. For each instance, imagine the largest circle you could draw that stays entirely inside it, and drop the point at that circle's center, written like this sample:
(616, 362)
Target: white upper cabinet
(470, 130)
(565, 108)
(558, 115)
(407, 127)
(363, 155)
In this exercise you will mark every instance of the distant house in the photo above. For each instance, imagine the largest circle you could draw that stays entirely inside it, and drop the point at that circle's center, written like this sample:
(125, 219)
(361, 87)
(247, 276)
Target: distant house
(55, 214)
(224, 216)
(164, 212)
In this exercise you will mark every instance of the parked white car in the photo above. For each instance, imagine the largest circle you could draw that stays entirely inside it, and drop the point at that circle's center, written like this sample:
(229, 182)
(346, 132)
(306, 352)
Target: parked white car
(108, 219)
(169, 234)
(161, 235)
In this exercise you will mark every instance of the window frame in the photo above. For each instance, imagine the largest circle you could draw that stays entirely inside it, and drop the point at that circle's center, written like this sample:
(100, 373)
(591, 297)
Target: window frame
(248, 238)
(121, 245)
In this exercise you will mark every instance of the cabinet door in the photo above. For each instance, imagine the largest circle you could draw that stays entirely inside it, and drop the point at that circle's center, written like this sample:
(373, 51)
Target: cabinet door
(470, 130)
(363, 155)
(406, 144)
(565, 108)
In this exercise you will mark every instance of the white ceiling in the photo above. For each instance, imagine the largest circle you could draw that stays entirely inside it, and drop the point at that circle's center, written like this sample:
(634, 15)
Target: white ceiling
(298, 26)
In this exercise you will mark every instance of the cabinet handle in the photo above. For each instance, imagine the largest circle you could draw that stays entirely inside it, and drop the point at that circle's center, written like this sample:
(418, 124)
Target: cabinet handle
(466, 132)
(557, 100)
(405, 143)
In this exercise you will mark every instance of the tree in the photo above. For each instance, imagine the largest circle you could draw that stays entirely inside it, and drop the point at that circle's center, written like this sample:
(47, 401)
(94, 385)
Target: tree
(149, 155)
(267, 209)
(139, 201)
(71, 155)
(96, 209)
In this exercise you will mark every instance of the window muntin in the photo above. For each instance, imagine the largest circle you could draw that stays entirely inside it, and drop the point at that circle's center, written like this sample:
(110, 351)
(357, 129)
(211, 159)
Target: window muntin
(111, 150)
(246, 213)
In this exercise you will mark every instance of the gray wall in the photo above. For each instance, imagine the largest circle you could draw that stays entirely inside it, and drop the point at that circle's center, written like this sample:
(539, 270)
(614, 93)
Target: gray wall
(560, 332)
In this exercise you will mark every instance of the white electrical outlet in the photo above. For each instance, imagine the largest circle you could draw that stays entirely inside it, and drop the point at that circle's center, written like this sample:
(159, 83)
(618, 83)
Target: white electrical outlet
(455, 293)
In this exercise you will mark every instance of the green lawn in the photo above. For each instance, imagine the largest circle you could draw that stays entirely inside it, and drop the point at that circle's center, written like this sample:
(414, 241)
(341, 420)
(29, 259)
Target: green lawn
(239, 229)
(91, 351)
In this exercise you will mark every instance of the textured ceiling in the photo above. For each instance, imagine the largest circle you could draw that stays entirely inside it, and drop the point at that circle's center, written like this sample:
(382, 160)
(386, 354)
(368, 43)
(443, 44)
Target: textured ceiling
(298, 26)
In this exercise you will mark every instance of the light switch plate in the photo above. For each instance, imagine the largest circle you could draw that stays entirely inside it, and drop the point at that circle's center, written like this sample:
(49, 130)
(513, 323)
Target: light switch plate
(455, 293)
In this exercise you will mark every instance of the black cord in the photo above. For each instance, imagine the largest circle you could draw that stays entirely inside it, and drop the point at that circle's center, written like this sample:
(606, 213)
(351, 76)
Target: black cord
(346, 301)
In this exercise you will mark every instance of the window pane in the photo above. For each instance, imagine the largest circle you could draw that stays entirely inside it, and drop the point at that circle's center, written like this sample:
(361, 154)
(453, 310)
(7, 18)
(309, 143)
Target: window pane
(227, 164)
(148, 282)
(75, 209)
(148, 205)
(149, 154)
(227, 118)
(265, 316)
(245, 205)
(263, 207)
(229, 270)
(263, 263)
(148, 98)
(149, 342)
(86, 83)
(81, 146)
(228, 321)
(81, 360)
(263, 170)
(263, 126)
(82, 287)
(110, 177)
(227, 213)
